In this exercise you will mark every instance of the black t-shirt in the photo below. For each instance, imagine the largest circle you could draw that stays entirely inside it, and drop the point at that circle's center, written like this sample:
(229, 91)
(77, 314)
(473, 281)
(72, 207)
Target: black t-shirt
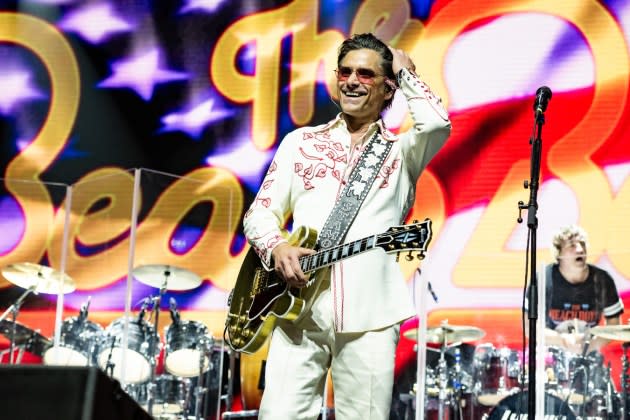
(586, 301)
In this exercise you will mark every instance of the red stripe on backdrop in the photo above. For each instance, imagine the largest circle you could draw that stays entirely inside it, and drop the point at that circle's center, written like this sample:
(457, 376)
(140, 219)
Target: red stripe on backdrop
(486, 141)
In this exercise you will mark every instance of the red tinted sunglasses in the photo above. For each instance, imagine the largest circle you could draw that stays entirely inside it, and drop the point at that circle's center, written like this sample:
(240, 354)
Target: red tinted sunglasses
(365, 76)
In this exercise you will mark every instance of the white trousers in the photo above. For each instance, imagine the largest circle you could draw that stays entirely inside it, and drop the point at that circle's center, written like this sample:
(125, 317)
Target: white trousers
(362, 366)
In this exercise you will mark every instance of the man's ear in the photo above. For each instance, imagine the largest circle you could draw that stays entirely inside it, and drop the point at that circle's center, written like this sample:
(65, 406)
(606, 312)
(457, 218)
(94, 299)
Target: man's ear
(391, 86)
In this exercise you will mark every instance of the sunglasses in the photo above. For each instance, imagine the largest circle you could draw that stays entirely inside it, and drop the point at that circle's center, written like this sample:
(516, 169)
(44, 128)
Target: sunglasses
(365, 76)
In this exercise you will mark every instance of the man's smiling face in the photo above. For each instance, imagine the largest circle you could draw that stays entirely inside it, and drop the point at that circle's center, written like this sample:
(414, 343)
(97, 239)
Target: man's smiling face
(361, 85)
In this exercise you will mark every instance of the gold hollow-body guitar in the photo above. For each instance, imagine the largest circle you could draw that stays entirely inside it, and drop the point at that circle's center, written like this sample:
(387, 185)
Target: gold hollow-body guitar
(260, 297)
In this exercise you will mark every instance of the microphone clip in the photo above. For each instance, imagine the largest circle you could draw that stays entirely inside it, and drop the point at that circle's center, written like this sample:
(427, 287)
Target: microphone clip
(143, 308)
(172, 304)
(83, 313)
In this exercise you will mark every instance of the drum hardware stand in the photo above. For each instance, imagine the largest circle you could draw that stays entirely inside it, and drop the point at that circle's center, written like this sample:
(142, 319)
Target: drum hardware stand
(109, 365)
(156, 300)
(443, 374)
(200, 389)
(543, 95)
(610, 390)
(625, 377)
(457, 383)
(229, 397)
(14, 310)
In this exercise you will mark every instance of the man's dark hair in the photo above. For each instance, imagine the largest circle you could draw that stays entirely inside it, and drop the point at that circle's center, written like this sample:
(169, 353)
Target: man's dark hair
(369, 41)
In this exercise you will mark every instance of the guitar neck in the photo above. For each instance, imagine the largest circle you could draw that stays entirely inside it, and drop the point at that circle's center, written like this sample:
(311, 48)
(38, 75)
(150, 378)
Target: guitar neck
(337, 253)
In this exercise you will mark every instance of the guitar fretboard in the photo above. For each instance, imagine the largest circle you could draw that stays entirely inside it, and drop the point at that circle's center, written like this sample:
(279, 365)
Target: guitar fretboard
(337, 253)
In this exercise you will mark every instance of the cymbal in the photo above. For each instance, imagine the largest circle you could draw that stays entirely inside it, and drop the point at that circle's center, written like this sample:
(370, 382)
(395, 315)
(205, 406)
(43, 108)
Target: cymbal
(452, 334)
(32, 340)
(172, 278)
(572, 326)
(612, 332)
(45, 279)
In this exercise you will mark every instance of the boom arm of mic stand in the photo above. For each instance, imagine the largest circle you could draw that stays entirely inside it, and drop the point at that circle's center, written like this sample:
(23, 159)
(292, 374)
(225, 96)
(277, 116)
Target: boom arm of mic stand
(15, 307)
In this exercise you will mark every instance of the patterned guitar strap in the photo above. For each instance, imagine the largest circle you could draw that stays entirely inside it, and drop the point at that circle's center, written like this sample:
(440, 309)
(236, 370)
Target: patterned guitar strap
(361, 179)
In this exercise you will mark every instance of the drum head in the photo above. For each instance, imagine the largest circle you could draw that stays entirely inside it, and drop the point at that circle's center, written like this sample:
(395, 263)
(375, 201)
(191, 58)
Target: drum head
(517, 405)
(79, 341)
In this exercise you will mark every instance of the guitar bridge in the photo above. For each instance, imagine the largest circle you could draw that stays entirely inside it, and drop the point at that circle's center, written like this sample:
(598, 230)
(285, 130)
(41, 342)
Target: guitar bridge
(259, 283)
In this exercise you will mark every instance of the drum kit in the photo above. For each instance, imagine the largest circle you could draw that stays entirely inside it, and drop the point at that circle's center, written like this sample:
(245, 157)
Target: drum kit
(492, 383)
(128, 349)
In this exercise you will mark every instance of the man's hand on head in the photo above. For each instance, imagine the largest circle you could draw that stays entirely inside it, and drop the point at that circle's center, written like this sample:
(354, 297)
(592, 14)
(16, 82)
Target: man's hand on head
(401, 60)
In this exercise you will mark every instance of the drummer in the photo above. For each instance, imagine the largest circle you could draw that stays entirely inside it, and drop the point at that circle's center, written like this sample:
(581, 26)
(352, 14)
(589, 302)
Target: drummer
(578, 295)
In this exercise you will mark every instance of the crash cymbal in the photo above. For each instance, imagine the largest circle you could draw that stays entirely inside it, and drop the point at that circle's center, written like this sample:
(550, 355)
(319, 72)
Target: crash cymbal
(173, 278)
(612, 332)
(45, 279)
(31, 340)
(452, 334)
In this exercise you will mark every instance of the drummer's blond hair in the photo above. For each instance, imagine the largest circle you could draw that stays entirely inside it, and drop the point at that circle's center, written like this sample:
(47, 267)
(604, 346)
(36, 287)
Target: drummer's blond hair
(568, 233)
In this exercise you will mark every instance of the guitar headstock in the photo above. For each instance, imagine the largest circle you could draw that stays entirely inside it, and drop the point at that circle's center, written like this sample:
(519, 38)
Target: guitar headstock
(413, 238)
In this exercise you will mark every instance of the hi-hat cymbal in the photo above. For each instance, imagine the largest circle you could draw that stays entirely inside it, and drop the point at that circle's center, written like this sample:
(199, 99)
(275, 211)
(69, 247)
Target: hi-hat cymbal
(448, 333)
(31, 340)
(612, 332)
(45, 279)
(168, 276)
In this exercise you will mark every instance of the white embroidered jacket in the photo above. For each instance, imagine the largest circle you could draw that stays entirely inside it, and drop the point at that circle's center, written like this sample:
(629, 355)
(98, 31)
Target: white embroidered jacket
(305, 178)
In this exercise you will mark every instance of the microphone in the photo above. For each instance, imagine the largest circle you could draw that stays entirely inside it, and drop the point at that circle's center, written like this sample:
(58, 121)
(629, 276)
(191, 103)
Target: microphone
(143, 309)
(433, 295)
(543, 95)
(172, 306)
(83, 313)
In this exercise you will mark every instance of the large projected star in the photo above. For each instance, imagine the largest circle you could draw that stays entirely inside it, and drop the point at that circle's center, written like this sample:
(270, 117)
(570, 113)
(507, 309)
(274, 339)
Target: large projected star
(201, 6)
(141, 73)
(193, 120)
(53, 2)
(95, 22)
(16, 87)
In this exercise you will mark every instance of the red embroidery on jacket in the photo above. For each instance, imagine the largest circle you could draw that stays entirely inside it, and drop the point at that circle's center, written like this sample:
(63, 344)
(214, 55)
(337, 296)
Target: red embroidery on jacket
(273, 241)
(264, 201)
(319, 156)
(386, 171)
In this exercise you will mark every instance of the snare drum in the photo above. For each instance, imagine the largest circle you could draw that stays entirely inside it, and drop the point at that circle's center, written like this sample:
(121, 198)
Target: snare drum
(496, 373)
(171, 396)
(586, 378)
(186, 342)
(78, 343)
(139, 359)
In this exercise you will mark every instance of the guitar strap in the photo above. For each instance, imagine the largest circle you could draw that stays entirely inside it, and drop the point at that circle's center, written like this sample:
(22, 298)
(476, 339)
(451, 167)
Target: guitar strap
(361, 179)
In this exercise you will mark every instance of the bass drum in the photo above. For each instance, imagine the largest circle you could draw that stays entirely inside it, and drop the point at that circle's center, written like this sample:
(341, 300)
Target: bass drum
(515, 406)
(252, 372)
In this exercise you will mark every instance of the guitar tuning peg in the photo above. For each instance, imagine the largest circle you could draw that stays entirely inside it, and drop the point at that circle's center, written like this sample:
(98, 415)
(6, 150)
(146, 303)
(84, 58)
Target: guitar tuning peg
(415, 221)
(420, 256)
(397, 256)
(409, 257)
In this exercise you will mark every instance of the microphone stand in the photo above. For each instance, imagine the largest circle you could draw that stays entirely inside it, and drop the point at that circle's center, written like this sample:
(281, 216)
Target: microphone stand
(532, 225)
